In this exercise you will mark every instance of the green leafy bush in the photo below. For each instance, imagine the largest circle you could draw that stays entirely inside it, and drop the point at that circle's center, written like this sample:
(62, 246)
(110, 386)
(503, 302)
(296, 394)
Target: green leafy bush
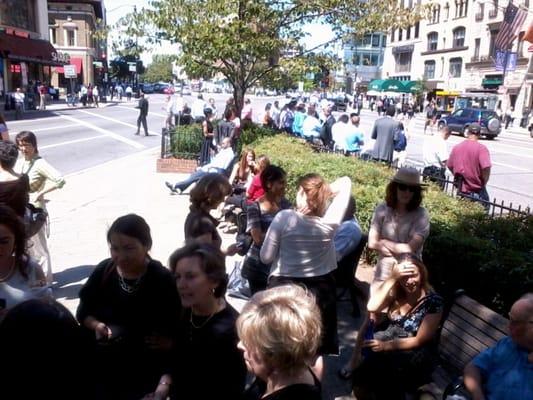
(491, 258)
(186, 141)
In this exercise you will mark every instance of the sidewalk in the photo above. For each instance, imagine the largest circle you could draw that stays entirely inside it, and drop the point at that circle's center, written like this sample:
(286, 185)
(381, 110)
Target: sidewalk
(91, 200)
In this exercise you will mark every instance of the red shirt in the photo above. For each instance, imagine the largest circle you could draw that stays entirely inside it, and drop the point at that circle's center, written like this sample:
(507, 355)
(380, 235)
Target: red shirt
(256, 189)
(468, 159)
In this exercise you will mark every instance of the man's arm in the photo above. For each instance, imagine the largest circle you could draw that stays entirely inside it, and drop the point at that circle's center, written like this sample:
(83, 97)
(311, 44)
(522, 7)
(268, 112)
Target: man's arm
(473, 381)
(485, 175)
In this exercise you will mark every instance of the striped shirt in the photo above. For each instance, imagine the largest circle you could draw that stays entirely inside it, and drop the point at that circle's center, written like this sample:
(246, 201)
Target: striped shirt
(39, 171)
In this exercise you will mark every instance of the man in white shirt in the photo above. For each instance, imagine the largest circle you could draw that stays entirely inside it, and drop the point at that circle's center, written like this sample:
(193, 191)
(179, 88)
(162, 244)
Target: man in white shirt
(339, 132)
(435, 154)
(19, 103)
(311, 126)
(197, 109)
(219, 164)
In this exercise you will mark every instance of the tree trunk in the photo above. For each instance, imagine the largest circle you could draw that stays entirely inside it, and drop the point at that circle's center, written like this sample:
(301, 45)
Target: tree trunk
(238, 96)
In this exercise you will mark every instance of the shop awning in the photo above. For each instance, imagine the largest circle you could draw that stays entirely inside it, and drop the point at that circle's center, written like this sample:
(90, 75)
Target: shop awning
(492, 81)
(376, 85)
(78, 62)
(392, 85)
(29, 50)
(413, 86)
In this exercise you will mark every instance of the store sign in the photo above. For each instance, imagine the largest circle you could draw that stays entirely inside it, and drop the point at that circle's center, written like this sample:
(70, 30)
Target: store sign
(403, 49)
(132, 67)
(70, 71)
(15, 32)
(61, 57)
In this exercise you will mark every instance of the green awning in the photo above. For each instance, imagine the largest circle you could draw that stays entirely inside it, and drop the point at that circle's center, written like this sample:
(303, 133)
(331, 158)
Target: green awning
(392, 85)
(376, 85)
(413, 86)
(492, 81)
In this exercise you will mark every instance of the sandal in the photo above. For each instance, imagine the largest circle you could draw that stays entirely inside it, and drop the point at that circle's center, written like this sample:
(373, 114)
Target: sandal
(345, 373)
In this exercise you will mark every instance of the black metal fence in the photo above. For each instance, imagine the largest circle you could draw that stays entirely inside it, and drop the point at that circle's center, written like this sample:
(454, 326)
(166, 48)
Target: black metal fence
(494, 208)
(186, 144)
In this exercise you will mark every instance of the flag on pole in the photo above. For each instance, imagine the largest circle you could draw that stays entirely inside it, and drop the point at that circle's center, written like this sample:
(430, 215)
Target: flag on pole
(529, 33)
(512, 22)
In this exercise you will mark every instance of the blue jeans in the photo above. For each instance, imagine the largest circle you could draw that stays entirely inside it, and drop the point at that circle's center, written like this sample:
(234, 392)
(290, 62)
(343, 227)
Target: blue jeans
(482, 196)
(193, 178)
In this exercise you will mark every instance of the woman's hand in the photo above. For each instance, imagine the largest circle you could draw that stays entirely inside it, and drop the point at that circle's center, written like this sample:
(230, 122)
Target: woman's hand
(403, 270)
(305, 210)
(232, 250)
(375, 345)
(102, 331)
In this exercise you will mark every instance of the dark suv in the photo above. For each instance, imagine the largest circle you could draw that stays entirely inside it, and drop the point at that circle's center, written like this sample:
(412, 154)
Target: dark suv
(459, 120)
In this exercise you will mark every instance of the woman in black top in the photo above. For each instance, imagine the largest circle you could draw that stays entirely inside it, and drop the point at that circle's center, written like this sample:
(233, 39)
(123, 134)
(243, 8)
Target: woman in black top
(14, 188)
(207, 364)
(279, 331)
(129, 306)
(207, 144)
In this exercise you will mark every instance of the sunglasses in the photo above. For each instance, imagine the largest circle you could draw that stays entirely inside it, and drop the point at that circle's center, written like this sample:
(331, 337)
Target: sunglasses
(403, 188)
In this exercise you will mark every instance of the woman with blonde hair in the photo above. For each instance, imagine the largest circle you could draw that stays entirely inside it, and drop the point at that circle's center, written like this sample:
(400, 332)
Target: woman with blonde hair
(207, 195)
(406, 351)
(279, 331)
(299, 244)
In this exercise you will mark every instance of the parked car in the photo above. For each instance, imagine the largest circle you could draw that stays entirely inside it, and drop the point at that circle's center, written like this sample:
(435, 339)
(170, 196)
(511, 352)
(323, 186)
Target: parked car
(339, 104)
(147, 88)
(459, 120)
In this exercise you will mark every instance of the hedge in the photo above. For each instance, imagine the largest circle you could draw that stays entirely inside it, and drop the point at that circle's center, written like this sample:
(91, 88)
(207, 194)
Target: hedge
(490, 258)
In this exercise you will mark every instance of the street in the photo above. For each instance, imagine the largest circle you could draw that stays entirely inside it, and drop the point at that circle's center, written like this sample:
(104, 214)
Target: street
(74, 140)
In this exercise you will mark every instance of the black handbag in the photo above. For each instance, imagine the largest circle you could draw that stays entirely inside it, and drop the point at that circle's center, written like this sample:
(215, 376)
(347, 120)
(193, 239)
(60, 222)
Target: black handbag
(34, 219)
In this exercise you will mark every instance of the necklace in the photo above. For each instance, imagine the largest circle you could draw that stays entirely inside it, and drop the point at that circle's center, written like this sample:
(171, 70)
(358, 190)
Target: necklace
(129, 288)
(203, 323)
(9, 271)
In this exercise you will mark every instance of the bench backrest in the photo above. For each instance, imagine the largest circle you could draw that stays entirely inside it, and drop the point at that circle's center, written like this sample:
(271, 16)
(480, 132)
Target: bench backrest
(468, 330)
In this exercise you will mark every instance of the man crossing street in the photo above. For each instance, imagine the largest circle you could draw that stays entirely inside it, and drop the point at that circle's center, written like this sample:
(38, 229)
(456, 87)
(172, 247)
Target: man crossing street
(143, 112)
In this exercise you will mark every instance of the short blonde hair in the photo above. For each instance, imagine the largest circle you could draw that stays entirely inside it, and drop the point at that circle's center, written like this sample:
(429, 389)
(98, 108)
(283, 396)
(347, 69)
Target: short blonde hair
(283, 326)
(210, 191)
(317, 191)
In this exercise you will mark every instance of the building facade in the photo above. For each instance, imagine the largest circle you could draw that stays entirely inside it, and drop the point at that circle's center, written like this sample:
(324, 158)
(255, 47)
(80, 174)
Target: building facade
(453, 52)
(72, 26)
(363, 60)
(26, 55)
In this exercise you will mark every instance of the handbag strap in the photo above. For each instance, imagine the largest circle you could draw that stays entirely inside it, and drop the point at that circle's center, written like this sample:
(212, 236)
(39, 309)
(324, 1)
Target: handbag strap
(32, 162)
(416, 307)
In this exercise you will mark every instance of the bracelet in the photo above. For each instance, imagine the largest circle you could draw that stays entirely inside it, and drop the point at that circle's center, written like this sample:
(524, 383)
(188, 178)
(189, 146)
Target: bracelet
(164, 383)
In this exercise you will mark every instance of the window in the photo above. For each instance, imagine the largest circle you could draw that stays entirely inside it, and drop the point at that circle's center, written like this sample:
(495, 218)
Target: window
(477, 44)
(374, 60)
(461, 8)
(393, 32)
(459, 37)
(403, 62)
(53, 35)
(400, 35)
(480, 12)
(429, 69)
(492, 47)
(71, 37)
(408, 33)
(435, 14)
(433, 38)
(520, 50)
(417, 30)
(375, 40)
(456, 65)
(367, 40)
(383, 41)
(446, 11)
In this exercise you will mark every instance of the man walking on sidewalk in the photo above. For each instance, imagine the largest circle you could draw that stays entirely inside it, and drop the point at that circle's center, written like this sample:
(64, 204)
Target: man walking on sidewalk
(19, 103)
(143, 112)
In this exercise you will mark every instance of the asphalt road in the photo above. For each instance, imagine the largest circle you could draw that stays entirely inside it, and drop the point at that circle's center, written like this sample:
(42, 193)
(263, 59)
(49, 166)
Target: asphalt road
(73, 140)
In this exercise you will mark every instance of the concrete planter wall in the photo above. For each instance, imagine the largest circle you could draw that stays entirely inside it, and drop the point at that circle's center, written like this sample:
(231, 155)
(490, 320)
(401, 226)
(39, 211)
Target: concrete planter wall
(175, 165)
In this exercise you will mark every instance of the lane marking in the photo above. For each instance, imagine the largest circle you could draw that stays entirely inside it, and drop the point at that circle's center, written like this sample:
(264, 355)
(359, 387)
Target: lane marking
(54, 127)
(27, 121)
(117, 121)
(105, 132)
(512, 166)
(72, 141)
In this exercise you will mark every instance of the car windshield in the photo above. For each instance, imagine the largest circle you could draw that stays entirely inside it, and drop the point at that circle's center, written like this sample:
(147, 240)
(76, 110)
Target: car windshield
(487, 114)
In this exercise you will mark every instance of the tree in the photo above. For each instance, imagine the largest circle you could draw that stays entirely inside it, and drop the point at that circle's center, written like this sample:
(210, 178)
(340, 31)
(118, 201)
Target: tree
(160, 69)
(248, 41)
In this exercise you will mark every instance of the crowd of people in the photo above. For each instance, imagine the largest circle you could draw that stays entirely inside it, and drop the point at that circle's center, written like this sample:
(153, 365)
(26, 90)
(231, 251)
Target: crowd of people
(145, 330)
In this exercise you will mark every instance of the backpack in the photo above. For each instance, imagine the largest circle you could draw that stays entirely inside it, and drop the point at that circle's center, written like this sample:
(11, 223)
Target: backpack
(400, 141)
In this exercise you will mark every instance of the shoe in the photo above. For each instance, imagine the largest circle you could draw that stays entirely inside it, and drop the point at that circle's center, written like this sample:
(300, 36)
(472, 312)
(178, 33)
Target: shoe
(136, 133)
(345, 373)
(171, 187)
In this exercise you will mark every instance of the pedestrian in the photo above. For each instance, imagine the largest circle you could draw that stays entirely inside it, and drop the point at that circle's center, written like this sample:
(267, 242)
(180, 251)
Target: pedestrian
(129, 92)
(207, 145)
(509, 117)
(383, 132)
(120, 91)
(43, 179)
(470, 165)
(168, 107)
(143, 112)
(42, 96)
(431, 117)
(4, 132)
(19, 103)
(198, 108)
(96, 93)
(90, 94)
(83, 92)
(213, 107)
(275, 114)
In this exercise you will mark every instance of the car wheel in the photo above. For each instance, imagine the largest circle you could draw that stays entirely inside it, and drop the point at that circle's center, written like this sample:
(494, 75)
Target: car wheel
(490, 137)
(441, 125)
(464, 132)
(493, 125)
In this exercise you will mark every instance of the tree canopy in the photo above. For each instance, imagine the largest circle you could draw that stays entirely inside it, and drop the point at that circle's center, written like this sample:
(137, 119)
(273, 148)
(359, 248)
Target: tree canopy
(160, 70)
(249, 41)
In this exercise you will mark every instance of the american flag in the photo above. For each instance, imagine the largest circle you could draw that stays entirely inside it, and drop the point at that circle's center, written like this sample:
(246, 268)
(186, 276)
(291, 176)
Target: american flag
(512, 22)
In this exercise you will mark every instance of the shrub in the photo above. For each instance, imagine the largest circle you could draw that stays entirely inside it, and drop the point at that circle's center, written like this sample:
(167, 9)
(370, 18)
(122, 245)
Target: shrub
(491, 258)
(187, 141)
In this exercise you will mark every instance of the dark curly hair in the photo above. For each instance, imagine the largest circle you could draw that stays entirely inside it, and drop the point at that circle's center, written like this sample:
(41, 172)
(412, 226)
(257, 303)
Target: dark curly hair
(209, 192)
(14, 223)
(211, 262)
(134, 226)
(271, 174)
(8, 154)
(391, 197)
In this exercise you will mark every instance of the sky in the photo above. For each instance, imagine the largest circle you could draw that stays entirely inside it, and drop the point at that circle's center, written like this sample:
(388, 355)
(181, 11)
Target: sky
(117, 8)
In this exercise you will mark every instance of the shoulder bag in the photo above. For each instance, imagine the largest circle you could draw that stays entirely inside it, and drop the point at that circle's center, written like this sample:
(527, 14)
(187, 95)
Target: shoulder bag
(34, 217)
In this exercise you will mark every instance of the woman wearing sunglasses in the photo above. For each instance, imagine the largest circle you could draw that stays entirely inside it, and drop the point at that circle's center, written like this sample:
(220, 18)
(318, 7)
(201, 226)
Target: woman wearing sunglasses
(399, 225)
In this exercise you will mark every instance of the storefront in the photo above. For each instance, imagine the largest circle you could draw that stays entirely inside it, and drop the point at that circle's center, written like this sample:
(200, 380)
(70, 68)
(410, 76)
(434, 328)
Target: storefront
(25, 61)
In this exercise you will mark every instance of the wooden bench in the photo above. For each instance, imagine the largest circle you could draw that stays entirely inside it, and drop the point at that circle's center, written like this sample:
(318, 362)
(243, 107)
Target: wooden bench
(469, 328)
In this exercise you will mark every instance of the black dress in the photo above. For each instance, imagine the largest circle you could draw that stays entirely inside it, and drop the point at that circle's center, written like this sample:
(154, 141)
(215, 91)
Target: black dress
(207, 363)
(299, 391)
(207, 144)
(14, 194)
(124, 367)
(199, 223)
